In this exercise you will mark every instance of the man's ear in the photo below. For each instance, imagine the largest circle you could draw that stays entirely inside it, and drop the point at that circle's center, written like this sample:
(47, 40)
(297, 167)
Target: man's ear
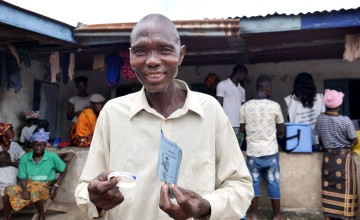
(182, 54)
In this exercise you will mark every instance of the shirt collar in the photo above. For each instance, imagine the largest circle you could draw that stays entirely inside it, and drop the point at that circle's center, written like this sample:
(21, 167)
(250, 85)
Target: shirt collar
(44, 157)
(191, 102)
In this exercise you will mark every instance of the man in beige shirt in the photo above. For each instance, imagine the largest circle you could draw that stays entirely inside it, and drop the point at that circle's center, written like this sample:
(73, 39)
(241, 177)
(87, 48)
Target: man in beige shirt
(213, 179)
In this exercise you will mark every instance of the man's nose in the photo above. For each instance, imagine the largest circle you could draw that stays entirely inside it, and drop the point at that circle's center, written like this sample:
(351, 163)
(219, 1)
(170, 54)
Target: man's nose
(153, 59)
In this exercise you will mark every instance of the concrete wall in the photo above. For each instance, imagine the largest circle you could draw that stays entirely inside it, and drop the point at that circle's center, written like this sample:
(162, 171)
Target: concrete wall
(13, 105)
(300, 182)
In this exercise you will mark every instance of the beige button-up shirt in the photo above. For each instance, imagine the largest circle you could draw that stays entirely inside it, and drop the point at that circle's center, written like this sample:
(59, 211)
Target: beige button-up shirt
(127, 138)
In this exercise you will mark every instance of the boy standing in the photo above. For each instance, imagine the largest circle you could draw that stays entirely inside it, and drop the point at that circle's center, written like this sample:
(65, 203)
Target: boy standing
(261, 120)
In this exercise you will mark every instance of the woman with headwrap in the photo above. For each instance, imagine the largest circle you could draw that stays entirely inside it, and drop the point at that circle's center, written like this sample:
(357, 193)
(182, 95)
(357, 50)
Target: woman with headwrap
(36, 173)
(6, 143)
(338, 136)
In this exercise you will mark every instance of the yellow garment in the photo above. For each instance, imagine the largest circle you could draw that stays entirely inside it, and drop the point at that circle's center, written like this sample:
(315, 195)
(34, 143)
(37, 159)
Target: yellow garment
(357, 147)
(127, 138)
(85, 127)
(38, 191)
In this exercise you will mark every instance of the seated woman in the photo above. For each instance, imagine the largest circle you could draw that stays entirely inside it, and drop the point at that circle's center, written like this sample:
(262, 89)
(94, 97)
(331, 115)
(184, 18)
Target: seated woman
(36, 173)
(6, 143)
(87, 120)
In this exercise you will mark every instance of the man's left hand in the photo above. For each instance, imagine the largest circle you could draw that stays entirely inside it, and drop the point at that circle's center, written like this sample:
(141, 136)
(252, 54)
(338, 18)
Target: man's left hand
(189, 203)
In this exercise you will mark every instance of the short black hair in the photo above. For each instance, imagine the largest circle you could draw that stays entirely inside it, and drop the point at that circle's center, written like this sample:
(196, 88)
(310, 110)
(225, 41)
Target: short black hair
(263, 81)
(239, 69)
(80, 79)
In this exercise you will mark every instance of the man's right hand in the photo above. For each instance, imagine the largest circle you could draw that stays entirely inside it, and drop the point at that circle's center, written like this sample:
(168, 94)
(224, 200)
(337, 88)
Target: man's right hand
(104, 193)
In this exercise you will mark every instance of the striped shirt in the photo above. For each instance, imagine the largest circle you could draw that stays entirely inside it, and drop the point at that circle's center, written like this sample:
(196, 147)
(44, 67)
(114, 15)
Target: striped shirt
(15, 151)
(335, 131)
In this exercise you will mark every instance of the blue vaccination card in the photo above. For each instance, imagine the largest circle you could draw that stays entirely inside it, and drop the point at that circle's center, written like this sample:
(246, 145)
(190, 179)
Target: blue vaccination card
(169, 161)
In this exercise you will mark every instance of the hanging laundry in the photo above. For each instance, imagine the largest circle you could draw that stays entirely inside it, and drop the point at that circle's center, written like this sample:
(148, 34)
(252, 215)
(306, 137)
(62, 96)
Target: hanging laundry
(126, 71)
(14, 52)
(98, 62)
(352, 47)
(113, 63)
(24, 55)
(71, 70)
(55, 65)
(65, 68)
(9, 72)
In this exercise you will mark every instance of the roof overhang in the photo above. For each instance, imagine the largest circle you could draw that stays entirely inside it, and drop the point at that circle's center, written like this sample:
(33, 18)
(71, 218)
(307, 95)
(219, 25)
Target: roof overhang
(24, 28)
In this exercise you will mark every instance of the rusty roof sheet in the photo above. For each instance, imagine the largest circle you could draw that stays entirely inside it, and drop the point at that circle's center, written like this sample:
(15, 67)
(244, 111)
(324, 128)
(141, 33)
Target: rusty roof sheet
(207, 27)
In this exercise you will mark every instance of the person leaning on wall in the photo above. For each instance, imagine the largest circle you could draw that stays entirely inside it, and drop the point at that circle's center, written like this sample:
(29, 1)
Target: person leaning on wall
(305, 104)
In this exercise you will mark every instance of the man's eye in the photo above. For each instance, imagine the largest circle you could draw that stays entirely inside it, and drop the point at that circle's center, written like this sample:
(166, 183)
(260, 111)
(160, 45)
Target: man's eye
(139, 52)
(166, 50)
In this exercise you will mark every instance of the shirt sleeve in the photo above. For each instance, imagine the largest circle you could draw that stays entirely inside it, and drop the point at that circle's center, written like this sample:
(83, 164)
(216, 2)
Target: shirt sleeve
(242, 115)
(98, 158)
(351, 132)
(233, 181)
(59, 163)
(220, 90)
(18, 151)
(22, 174)
(279, 118)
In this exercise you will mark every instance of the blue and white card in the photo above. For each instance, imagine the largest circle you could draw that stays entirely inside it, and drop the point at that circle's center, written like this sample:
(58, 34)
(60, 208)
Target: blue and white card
(169, 161)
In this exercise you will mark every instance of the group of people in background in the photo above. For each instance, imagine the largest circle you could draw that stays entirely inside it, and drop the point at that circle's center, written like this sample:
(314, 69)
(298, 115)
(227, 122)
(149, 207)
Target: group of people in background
(83, 111)
(35, 170)
(261, 122)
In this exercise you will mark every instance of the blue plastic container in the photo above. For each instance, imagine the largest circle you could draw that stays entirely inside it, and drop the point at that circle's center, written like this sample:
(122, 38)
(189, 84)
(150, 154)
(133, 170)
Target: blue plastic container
(298, 138)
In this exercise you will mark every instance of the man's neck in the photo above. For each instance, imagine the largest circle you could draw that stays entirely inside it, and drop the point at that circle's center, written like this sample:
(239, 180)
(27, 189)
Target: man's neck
(167, 102)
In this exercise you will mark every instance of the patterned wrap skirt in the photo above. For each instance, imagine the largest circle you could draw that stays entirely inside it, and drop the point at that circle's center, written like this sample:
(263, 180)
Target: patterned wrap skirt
(38, 191)
(339, 184)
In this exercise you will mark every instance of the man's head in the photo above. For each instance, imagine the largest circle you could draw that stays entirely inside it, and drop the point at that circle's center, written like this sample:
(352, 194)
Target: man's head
(263, 85)
(39, 141)
(156, 52)
(5, 158)
(239, 73)
(97, 103)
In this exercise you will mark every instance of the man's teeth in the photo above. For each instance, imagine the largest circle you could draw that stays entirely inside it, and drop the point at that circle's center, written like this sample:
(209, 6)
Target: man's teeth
(154, 75)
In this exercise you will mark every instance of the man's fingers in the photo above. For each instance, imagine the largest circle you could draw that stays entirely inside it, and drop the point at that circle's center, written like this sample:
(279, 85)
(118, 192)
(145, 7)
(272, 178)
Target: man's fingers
(165, 202)
(108, 204)
(100, 187)
(179, 196)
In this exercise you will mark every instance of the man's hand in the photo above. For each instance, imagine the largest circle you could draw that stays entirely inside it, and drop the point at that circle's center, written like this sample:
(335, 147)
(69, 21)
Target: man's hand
(26, 195)
(190, 204)
(104, 193)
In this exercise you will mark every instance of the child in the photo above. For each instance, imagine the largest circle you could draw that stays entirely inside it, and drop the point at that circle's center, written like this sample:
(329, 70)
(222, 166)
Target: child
(338, 136)
(7, 174)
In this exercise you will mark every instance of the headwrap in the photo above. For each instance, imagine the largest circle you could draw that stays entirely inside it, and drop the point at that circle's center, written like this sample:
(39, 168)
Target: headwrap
(333, 98)
(41, 136)
(4, 127)
(31, 114)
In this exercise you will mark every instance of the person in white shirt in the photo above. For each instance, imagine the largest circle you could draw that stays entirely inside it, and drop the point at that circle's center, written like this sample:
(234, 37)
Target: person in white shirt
(31, 120)
(231, 95)
(7, 175)
(305, 104)
(213, 180)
